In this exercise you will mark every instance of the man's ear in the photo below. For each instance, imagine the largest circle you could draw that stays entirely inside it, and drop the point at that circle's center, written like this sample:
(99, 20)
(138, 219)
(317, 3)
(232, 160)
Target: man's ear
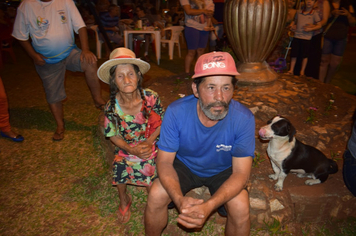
(195, 90)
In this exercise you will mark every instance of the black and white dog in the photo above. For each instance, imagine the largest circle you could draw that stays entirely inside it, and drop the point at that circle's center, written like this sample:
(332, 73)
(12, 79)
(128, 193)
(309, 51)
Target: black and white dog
(287, 154)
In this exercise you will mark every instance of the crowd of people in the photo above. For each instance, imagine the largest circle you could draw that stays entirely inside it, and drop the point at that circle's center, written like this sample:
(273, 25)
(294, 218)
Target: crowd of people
(204, 139)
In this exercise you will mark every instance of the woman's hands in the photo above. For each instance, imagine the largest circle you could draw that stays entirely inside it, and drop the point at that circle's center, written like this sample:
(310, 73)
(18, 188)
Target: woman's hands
(143, 150)
(342, 12)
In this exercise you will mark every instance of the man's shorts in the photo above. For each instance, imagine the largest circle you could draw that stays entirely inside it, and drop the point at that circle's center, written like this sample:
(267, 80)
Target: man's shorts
(300, 48)
(53, 75)
(189, 181)
(196, 38)
(335, 47)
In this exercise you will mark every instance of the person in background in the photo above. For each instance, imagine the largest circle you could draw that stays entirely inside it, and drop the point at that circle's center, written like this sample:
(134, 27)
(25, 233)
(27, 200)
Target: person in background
(280, 49)
(314, 59)
(133, 117)
(147, 20)
(51, 25)
(5, 127)
(342, 16)
(110, 21)
(206, 139)
(217, 20)
(102, 5)
(195, 35)
(305, 22)
(349, 169)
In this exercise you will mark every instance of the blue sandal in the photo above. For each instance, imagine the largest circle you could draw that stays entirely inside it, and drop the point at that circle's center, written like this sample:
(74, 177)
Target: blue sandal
(18, 138)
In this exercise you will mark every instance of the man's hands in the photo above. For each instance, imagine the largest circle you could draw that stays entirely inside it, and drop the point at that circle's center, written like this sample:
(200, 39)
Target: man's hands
(88, 57)
(193, 212)
(38, 59)
(208, 13)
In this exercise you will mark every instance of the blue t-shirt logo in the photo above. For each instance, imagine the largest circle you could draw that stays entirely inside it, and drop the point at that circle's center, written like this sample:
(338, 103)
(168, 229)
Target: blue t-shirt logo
(222, 147)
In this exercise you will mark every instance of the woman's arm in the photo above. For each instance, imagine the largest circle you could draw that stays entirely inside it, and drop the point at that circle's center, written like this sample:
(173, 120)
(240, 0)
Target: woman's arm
(326, 12)
(194, 12)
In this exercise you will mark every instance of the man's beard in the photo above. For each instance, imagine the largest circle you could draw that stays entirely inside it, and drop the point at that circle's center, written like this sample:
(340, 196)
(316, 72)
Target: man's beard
(209, 114)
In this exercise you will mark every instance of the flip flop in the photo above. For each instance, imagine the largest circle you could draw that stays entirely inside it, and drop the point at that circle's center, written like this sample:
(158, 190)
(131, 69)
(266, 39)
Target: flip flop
(288, 73)
(122, 213)
(58, 136)
(100, 107)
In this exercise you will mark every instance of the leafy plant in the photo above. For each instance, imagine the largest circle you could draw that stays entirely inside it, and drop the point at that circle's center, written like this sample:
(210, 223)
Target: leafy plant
(257, 160)
(334, 155)
(273, 228)
(177, 83)
(312, 116)
(330, 104)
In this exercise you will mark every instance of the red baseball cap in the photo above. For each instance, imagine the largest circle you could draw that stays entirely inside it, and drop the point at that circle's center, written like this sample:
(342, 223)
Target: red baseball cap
(215, 63)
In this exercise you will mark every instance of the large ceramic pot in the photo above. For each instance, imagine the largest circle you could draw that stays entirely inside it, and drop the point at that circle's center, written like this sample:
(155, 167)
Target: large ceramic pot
(253, 28)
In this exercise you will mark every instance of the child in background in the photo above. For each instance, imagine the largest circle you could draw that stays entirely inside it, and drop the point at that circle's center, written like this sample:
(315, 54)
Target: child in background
(305, 22)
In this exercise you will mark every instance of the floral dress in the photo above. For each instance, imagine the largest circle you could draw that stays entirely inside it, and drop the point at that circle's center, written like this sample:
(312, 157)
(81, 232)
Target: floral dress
(127, 168)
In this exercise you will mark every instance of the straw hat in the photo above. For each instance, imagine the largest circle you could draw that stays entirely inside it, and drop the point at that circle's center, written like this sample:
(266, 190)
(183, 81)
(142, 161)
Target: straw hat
(120, 56)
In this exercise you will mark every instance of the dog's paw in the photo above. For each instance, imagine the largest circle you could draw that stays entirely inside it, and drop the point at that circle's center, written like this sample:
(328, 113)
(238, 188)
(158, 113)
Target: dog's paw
(278, 187)
(301, 175)
(312, 181)
(273, 176)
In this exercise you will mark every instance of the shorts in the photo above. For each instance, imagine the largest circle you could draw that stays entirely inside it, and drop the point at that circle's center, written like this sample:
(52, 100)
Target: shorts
(189, 181)
(335, 47)
(53, 75)
(300, 48)
(196, 38)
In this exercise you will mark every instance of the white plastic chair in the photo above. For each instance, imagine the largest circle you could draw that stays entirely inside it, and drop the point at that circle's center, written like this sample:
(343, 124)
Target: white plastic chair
(175, 32)
(97, 39)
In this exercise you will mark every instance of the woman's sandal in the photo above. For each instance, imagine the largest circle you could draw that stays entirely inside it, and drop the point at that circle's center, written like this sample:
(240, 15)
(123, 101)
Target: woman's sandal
(121, 213)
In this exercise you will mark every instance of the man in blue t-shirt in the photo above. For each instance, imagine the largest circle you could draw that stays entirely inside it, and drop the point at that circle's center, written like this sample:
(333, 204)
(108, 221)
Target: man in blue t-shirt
(207, 139)
(110, 20)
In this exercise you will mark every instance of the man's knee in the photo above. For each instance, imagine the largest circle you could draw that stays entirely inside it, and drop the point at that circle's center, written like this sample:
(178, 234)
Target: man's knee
(191, 53)
(91, 68)
(238, 208)
(157, 197)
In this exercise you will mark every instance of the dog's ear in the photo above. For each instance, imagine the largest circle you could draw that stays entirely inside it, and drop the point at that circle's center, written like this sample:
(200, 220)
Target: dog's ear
(291, 131)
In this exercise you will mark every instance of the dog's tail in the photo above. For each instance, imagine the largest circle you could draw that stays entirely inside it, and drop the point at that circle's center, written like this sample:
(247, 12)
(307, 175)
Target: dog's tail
(333, 168)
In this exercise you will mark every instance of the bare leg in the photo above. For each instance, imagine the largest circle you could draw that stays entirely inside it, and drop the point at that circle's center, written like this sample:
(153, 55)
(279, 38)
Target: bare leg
(238, 215)
(57, 112)
(124, 198)
(93, 82)
(189, 59)
(5, 126)
(200, 51)
(324, 65)
(293, 60)
(304, 64)
(335, 62)
(156, 212)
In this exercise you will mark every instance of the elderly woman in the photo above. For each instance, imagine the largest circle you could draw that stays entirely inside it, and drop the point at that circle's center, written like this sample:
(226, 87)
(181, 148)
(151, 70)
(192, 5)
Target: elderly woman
(133, 117)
